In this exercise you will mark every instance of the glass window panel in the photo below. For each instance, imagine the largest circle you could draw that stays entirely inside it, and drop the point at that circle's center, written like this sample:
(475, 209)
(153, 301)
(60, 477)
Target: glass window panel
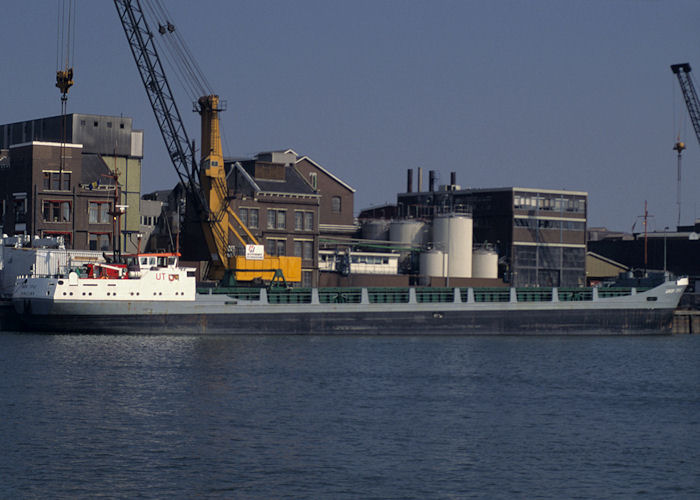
(281, 220)
(308, 250)
(308, 221)
(65, 211)
(92, 213)
(104, 215)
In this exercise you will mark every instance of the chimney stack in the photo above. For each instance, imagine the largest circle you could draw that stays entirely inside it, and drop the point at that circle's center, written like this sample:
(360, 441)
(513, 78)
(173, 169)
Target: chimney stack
(431, 180)
(453, 178)
(409, 187)
(420, 179)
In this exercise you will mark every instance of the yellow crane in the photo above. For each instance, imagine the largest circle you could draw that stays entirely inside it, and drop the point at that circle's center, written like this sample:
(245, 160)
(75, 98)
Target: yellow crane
(206, 183)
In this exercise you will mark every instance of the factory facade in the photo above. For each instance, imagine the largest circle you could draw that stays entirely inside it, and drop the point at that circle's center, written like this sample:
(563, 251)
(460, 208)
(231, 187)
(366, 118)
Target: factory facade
(539, 234)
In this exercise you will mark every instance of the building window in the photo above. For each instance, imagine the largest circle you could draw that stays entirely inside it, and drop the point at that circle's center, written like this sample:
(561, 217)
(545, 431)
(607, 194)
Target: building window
(276, 219)
(99, 241)
(304, 249)
(313, 179)
(20, 209)
(56, 211)
(56, 181)
(303, 220)
(98, 212)
(308, 221)
(148, 220)
(275, 247)
(253, 218)
(335, 204)
(249, 217)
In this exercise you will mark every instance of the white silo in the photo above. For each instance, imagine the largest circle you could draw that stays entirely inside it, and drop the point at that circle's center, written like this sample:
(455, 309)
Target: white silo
(408, 232)
(484, 263)
(453, 233)
(434, 263)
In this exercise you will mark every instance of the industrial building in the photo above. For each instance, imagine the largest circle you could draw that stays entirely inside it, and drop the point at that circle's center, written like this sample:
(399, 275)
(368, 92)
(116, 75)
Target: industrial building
(58, 179)
(539, 235)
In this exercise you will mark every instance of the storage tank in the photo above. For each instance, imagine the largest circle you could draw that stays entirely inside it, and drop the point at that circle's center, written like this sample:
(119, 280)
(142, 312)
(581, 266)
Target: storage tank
(433, 263)
(375, 230)
(408, 232)
(453, 233)
(484, 263)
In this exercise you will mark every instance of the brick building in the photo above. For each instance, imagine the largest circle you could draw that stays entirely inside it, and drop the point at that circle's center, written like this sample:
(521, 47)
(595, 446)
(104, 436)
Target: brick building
(98, 145)
(40, 196)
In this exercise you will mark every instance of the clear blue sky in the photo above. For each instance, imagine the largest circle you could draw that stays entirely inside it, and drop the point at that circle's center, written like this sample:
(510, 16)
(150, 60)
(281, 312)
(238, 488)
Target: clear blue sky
(548, 94)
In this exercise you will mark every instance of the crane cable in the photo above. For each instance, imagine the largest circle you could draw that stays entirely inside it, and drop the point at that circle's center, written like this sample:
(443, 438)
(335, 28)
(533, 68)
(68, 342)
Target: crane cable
(65, 55)
(178, 56)
(176, 51)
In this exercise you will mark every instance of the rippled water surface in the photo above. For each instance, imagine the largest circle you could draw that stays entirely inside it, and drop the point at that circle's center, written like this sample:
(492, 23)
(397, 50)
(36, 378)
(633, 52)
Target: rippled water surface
(355, 417)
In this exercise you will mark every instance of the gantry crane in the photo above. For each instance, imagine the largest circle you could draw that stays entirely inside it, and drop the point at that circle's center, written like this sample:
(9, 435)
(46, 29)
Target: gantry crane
(206, 183)
(682, 71)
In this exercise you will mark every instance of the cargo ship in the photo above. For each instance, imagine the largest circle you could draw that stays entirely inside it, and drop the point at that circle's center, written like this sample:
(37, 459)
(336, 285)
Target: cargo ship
(152, 294)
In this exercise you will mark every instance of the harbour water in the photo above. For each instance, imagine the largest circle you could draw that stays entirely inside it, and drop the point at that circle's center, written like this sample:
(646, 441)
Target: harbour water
(353, 417)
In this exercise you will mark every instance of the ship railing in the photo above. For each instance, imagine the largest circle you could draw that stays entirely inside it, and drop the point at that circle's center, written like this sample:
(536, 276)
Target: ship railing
(435, 295)
(422, 295)
(490, 294)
